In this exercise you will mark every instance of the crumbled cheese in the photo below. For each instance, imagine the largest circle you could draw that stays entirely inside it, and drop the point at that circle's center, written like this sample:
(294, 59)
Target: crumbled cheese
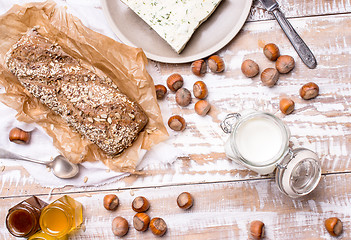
(174, 20)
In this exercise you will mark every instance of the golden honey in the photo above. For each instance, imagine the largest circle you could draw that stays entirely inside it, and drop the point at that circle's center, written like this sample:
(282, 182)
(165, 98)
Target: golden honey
(43, 236)
(61, 217)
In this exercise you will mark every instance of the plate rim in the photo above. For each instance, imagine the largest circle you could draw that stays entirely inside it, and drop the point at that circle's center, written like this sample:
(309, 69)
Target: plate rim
(230, 36)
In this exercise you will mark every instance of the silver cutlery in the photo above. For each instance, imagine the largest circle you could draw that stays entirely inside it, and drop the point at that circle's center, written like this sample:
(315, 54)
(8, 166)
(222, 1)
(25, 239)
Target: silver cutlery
(61, 167)
(300, 46)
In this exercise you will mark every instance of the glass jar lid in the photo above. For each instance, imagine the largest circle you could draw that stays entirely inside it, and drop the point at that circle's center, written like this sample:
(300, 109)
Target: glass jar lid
(299, 172)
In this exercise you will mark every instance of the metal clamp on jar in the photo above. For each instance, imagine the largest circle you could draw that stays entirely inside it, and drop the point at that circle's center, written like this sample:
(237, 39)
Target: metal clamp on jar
(260, 142)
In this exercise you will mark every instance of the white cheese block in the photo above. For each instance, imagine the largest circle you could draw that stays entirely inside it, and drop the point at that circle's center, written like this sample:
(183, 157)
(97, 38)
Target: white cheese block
(174, 20)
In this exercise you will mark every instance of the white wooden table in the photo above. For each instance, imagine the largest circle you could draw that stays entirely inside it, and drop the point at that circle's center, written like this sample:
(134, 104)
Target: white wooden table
(228, 196)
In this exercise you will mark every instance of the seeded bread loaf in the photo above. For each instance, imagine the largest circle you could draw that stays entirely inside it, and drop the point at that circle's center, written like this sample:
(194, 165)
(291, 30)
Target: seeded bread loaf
(90, 104)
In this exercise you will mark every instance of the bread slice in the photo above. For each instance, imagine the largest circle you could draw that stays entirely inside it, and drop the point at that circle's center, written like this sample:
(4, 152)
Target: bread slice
(174, 20)
(90, 104)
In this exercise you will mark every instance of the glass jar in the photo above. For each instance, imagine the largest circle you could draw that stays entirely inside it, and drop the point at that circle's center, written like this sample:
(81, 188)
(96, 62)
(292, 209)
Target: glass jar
(43, 236)
(22, 220)
(61, 217)
(260, 142)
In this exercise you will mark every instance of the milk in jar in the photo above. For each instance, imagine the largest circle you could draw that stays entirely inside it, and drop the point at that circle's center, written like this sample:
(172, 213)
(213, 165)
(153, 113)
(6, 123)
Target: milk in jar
(258, 140)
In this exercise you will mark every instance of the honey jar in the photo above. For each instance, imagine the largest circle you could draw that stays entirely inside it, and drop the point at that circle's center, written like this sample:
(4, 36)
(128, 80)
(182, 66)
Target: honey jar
(22, 220)
(260, 142)
(61, 217)
(43, 236)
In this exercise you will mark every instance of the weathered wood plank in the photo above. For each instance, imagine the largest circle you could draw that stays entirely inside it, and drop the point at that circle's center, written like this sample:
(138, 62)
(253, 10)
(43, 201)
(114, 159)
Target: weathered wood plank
(220, 211)
(223, 210)
(322, 124)
(301, 8)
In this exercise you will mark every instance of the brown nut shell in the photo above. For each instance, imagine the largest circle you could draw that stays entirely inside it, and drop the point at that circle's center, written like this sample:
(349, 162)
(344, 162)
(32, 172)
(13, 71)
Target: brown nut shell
(250, 68)
(200, 90)
(111, 202)
(198, 67)
(271, 51)
(216, 64)
(334, 226)
(160, 91)
(286, 106)
(269, 77)
(19, 136)
(120, 226)
(202, 107)
(257, 230)
(141, 221)
(285, 64)
(176, 123)
(158, 226)
(185, 200)
(140, 204)
(183, 97)
(174, 82)
(309, 90)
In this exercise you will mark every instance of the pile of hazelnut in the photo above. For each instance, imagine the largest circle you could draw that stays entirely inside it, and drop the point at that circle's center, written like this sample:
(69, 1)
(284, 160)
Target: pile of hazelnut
(141, 220)
(269, 77)
(183, 95)
(333, 225)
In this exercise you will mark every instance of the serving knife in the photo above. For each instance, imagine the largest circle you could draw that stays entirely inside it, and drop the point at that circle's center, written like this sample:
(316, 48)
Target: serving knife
(300, 46)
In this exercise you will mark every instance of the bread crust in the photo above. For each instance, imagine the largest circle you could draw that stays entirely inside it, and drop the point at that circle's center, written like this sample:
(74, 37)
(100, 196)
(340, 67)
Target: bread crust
(90, 104)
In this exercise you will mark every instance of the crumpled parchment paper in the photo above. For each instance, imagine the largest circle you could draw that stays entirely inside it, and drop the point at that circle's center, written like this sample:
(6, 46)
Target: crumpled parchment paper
(125, 65)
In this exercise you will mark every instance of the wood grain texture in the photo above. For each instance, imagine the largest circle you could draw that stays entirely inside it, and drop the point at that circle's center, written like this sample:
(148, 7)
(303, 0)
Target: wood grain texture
(322, 124)
(228, 196)
(220, 211)
(301, 8)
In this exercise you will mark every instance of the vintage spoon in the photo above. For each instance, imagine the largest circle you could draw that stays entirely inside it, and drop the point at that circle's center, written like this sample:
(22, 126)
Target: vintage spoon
(60, 166)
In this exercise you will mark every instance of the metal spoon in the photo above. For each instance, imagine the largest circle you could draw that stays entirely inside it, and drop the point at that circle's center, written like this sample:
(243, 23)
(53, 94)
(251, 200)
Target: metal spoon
(61, 167)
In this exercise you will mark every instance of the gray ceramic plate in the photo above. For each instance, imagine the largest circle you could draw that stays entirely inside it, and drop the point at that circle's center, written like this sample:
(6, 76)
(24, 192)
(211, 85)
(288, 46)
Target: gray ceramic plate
(211, 36)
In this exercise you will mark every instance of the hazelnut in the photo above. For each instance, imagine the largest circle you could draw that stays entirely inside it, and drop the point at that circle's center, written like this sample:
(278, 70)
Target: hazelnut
(285, 64)
(160, 91)
(250, 68)
(309, 90)
(202, 107)
(176, 123)
(216, 64)
(158, 226)
(140, 204)
(257, 229)
(286, 105)
(185, 200)
(141, 221)
(19, 136)
(183, 97)
(120, 226)
(174, 82)
(199, 67)
(269, 77)
(200, 90)
(334, 226)
(111, 202)
(271, 51)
